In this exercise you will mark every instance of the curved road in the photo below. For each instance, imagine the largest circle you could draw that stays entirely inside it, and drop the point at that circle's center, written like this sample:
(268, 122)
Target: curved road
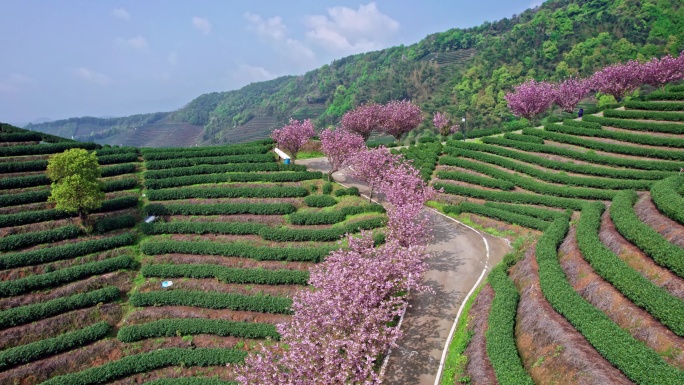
(458, 258)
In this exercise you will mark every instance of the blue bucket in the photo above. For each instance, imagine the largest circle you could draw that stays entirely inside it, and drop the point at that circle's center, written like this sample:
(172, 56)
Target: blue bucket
(286, 161)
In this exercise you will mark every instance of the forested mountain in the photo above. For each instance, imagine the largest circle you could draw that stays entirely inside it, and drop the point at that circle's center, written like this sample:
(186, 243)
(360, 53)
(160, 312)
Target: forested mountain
(459, 71)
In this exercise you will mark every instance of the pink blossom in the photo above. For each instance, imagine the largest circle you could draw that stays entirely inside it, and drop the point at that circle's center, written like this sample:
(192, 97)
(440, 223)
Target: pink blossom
(568, 93)
(293, 136)
(530, 98)
(659, 72)
(618, 79)
(372, 165)
(364, 119)
(441, 122)
(400, 117)
(339, 146)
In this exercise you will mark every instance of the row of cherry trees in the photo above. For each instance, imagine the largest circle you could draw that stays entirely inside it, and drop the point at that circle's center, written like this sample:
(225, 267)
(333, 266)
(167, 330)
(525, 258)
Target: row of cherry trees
(532, 97)
(395, 118)
(340, 327)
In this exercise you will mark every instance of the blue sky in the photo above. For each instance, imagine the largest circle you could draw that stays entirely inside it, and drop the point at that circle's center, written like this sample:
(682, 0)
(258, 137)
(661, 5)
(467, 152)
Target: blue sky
(63, 59)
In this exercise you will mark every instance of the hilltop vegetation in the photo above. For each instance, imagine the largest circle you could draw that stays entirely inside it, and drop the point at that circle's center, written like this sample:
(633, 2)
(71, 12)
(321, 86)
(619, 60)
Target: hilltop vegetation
(457, 71)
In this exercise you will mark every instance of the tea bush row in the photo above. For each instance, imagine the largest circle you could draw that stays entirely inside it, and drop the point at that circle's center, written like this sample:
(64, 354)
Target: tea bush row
(203, 152)
(261, 303)
(511, 197)
(332, 217)
(606, 120)
(560, 165)
(645, 115)
(195, 161)
(496, 213)
(227, 274)
(644, 236)
(220, 209)
(654, 106)
(50, 148)
(64, 275)
(531, 211)
(20, 137)
(665, 95)
(220, 168)
(657, 301)
(191, 326)
(582, 124)
(18, 241)
(145, 362)
(34, 257)
(523, 138)
(666, 197)
(618, 135)
(320, 201)
(296, 176)
(479, 180)
(227, 192)
(639, 363)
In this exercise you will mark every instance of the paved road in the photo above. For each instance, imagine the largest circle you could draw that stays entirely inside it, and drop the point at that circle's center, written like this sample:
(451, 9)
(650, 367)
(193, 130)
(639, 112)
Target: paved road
(458, 257)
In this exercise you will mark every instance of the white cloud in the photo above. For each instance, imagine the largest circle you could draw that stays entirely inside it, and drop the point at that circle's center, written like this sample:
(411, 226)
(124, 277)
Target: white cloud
(91, 76)
(121, 13)
(248, 74)
(137, 42)
(345, 30)
(299, 51)
(203, 25)
(272, 28)
(536, 3)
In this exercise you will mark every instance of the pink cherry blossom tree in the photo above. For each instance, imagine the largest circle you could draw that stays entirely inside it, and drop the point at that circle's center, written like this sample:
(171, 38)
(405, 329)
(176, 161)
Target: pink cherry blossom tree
(339, 146)
(364, 119)
(618, 79)
(530, 98)
(293, 136)
(659, 71)
(568, 93)
(441, 123)
(400, 117)
(372, 165)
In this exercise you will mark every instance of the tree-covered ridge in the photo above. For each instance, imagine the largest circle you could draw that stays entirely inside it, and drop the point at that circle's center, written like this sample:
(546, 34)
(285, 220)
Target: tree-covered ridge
(556, 40)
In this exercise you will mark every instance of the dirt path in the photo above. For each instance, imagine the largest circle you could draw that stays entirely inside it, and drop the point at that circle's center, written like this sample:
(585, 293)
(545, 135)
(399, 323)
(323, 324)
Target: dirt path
(459, 256)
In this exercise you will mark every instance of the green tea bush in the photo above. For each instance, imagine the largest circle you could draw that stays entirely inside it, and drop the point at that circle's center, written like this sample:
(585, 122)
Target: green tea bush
(191, 326)
(227, 192)
(632, 357)
(297, 176)
(30, 352)
(145, 362)
(227, 274)
(670, 128)
(175, 153)
(17, 241)
(220, 209)
(64, 275)
(621, 136)
(479, 180)
(34, 257)
(502, 215)
(211, 300)
(220, 168)
(114, 223)
(28, 313)
(665, 95)
(654, 106)
(667, 309)
(666, 197)
(194, 161)
(523, 138)
(644, 236)
(327, 188)
(40, 149)
(320, 201)
(511, 197)
(351, 191)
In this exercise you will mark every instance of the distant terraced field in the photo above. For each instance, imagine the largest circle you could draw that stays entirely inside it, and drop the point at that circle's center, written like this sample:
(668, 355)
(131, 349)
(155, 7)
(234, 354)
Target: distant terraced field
(600, 298)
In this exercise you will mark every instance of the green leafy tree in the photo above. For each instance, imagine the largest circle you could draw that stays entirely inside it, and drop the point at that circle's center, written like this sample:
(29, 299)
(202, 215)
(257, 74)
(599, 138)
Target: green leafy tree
(75, 184)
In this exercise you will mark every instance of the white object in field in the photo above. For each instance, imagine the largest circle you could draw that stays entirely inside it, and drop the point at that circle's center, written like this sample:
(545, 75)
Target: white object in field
(281, 154)
(166, 284)
(150, 219)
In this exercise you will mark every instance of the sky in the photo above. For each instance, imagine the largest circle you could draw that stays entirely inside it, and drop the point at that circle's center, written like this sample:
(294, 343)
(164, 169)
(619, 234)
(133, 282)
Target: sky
(61, 59)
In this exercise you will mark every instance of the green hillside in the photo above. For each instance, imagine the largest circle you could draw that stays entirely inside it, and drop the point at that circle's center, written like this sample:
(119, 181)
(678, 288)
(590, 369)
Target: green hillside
(459, 71)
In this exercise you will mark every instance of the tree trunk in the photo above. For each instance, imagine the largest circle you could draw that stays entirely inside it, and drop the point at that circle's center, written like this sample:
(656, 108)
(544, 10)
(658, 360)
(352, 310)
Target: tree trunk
(83, 216)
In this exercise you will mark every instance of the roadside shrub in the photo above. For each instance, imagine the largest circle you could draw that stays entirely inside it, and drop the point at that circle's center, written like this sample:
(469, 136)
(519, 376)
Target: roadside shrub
(327, 188)
(351, 191)
(320, 201)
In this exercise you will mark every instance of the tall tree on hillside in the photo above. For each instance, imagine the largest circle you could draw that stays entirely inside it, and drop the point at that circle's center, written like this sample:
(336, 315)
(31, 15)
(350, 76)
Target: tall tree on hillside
(568, 93)
(659, 71)
(530, 98)
(400, 117)
(618, 79)
(293, 136)
(339, 146)
(364, 119)
(441, 123)
(75, 184)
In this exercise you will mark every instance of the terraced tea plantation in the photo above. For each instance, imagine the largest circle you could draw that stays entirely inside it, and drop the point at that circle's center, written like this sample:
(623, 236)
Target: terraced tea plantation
(600, 298)
(233, 236)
